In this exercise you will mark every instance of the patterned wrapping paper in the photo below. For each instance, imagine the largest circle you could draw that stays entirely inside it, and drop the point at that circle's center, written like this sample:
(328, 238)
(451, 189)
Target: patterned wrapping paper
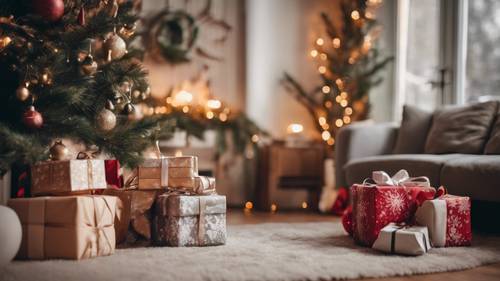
(64, 177)
(66, 227)
(448, 219)
(376, 206)
(179, 222)
(157, 173)
(405, 240)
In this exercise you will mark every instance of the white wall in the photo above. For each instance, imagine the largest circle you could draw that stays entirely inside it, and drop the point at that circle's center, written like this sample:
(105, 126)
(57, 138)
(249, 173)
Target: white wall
(280, 34)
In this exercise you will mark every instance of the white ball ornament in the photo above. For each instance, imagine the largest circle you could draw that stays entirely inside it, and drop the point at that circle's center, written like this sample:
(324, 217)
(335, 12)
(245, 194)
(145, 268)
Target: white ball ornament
(10, 235)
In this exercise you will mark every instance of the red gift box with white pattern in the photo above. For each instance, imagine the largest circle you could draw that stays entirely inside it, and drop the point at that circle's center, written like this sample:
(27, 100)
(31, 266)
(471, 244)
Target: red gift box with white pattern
(376, 206)
(448, 220)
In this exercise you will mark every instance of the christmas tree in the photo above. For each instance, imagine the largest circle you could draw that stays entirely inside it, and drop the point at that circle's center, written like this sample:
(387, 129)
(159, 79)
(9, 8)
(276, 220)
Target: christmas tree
(66, 72)
(348, 63)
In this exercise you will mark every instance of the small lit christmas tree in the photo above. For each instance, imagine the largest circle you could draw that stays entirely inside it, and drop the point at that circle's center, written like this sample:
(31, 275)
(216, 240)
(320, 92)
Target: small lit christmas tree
(347, 62)
(66, 72)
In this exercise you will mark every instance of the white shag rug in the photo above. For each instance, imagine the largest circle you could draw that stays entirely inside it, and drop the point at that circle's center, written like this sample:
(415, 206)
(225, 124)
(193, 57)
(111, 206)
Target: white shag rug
(277, 251)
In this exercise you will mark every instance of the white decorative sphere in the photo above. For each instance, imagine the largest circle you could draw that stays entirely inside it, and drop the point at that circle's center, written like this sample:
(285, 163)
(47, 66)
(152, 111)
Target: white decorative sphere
(10, 235)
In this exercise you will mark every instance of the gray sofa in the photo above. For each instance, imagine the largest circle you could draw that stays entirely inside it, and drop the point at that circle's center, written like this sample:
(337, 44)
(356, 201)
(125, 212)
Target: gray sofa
(362, 148)
(456, 146)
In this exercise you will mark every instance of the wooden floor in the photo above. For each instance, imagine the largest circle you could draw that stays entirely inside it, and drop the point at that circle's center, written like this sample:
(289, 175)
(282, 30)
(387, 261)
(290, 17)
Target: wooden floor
(238, 216)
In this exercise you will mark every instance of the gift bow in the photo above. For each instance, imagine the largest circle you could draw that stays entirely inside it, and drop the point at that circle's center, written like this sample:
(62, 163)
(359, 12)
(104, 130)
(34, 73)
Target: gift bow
(401, 178)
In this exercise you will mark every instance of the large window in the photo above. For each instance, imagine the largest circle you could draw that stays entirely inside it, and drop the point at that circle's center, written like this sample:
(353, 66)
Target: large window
(483, 50)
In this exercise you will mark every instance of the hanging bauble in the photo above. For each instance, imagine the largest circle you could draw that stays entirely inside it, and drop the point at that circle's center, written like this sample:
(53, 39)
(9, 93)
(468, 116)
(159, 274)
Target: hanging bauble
(22, 92)
(109, 105)
(50, 10)
(115, 47)
(32, 118)
(128, 30)
(88, 66)
(59, 151)
(136, 94)
(128, 109)
(106, 120)
(81, 16)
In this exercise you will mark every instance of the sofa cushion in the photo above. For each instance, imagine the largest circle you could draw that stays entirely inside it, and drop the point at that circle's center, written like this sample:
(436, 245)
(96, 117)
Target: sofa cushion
(461, 129)
(413, 131)
(416, 164)
(477, 176)
(493, 144)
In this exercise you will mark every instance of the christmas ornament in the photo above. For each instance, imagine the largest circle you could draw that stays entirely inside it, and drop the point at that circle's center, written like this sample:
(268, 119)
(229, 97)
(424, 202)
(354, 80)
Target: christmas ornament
(106, 120)
(115, 47)
(128, 109)
(347, 220)
(10, 235)
(110, 105)
(81, 16)
(22, 92)
(136, 94)
(50, 10)
(32, 118)
(59, 151)
(88, 66)
(128, 30)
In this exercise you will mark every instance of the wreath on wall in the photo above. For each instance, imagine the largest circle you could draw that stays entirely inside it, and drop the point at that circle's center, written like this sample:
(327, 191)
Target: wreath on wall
(172, 35)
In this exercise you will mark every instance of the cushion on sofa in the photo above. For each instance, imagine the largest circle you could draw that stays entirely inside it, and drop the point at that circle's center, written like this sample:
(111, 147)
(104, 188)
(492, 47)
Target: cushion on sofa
(413, 131)
(416, 164)
(461, 129)
(477, 176)
(493, 144)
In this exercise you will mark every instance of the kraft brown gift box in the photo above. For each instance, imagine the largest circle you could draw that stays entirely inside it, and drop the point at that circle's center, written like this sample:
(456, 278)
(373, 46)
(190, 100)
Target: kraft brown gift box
(66, 227)
(156, 173)
(123, 212)
(64, 177)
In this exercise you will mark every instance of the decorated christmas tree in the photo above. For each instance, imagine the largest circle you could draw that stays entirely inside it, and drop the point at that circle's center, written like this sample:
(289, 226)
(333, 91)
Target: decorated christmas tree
(348, 63)
(66, 72)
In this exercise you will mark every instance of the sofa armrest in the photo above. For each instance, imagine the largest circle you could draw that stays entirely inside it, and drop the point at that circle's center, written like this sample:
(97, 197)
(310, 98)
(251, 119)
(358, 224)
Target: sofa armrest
(360, 140)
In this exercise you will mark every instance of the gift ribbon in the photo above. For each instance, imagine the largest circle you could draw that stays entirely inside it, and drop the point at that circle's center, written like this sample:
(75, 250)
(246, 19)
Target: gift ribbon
(88, 155)
(401, 178)
(99, 229)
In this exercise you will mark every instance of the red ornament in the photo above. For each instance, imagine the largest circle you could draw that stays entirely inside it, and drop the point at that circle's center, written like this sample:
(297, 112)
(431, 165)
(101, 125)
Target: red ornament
(347, 220)
(81, 16)
(50, 10)
(32, 118)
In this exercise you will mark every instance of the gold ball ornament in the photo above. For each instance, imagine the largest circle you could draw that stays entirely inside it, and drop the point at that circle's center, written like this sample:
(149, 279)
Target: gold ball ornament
(115, 47)
(22, 93)
(106, 120)
(59, 151)
(88, 66)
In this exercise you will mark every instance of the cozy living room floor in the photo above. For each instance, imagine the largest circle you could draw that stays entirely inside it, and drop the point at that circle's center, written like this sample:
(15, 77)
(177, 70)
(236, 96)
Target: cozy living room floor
(237, 216)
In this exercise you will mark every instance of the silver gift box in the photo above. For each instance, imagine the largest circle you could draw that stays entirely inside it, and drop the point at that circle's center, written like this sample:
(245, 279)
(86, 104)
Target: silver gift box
(182, 220)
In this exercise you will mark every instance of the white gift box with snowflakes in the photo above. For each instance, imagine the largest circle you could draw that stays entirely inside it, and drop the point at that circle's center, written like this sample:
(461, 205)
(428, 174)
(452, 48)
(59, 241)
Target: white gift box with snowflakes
(448, 220)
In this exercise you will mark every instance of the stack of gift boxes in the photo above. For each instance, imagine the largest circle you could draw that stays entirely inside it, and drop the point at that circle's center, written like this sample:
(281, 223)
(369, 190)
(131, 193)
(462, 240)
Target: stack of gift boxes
(403, 215)
(78, 214)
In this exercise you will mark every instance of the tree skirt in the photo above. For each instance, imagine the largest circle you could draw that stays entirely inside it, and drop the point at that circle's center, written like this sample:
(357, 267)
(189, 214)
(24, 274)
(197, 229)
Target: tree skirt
(277, 251)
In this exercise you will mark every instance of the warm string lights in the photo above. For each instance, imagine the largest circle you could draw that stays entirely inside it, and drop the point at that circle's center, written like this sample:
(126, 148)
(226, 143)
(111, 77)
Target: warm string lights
(338, 92)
